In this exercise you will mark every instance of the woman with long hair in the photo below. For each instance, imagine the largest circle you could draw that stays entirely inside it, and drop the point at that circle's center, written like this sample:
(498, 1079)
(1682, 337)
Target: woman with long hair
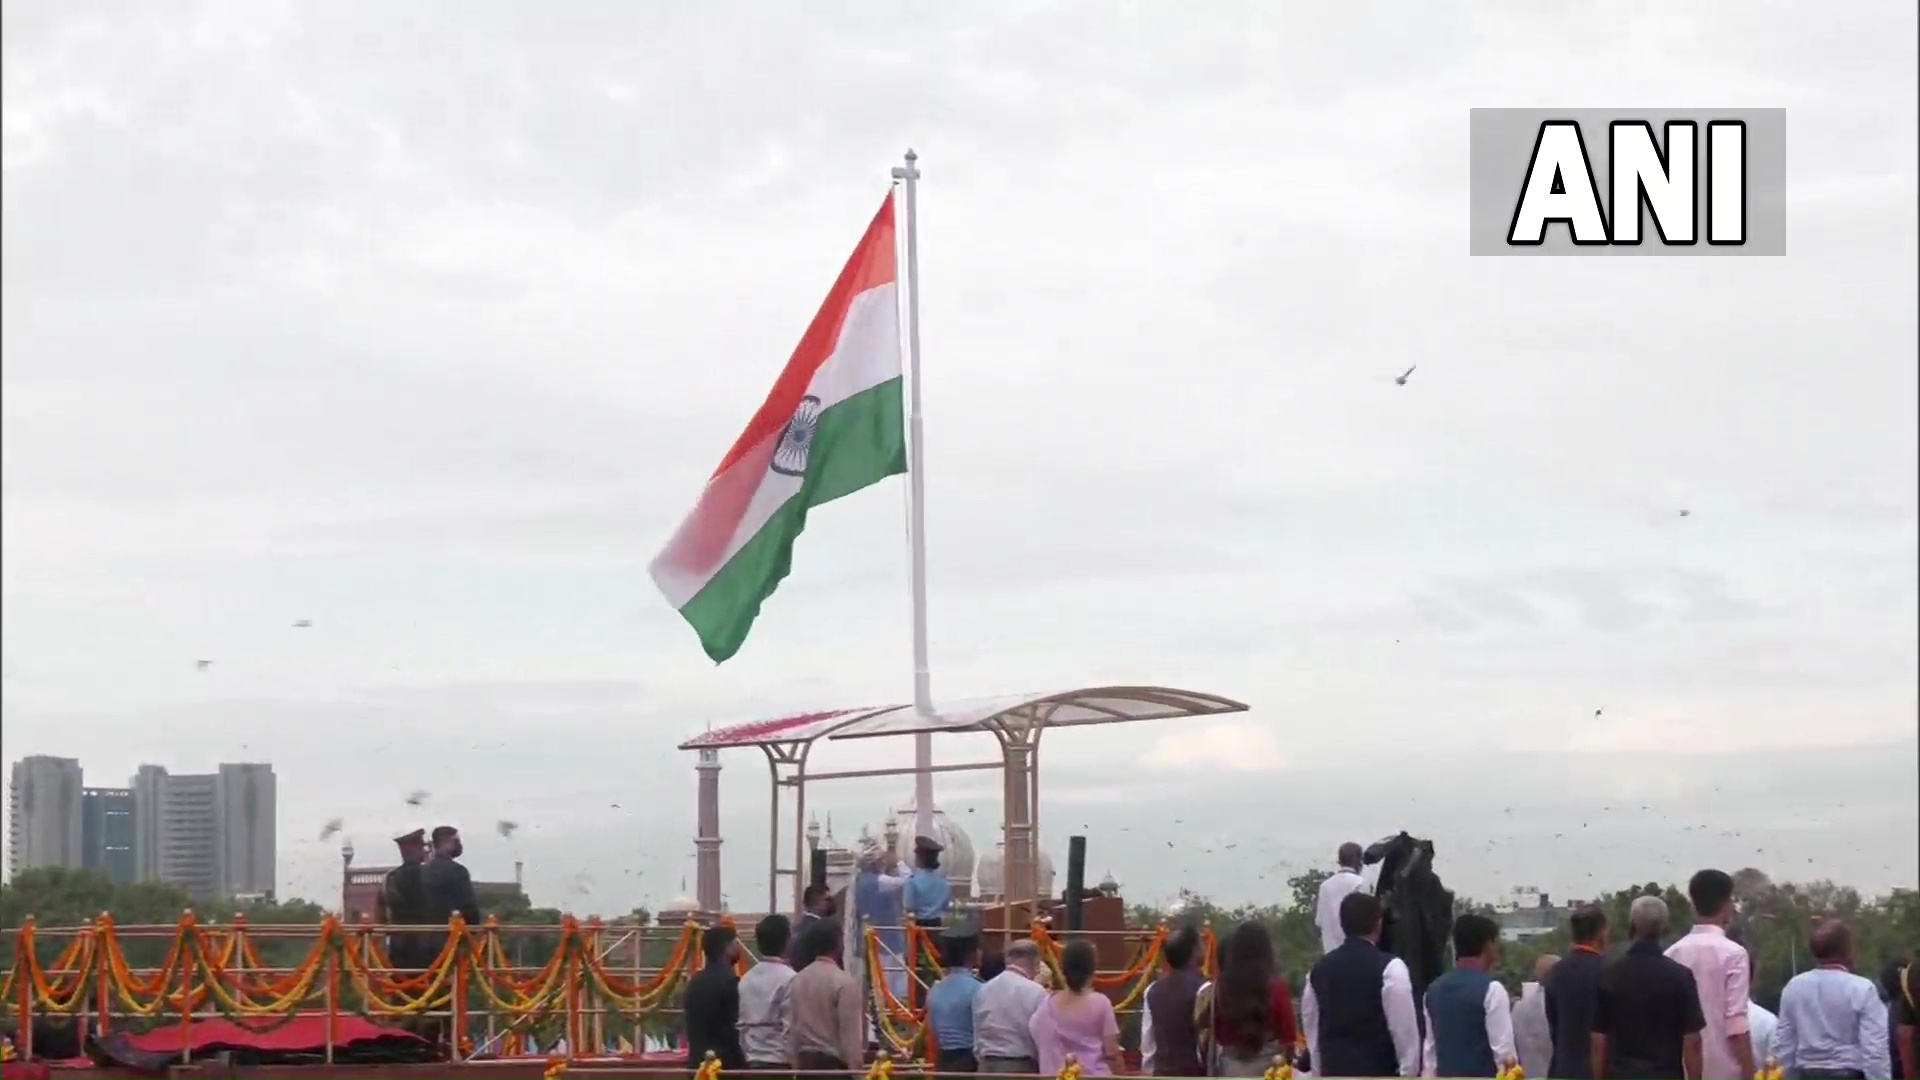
(1246, 1017)
(1076, 1020)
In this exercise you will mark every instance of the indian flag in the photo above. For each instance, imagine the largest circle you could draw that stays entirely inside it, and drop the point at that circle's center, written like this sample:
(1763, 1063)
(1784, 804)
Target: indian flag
(832, 425)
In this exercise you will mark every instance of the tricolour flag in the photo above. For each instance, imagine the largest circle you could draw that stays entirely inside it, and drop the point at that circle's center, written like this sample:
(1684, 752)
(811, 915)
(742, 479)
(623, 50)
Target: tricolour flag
(832, 425)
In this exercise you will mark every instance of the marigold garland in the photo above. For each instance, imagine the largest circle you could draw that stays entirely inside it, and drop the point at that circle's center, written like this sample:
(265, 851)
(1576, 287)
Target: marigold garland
(220, 968)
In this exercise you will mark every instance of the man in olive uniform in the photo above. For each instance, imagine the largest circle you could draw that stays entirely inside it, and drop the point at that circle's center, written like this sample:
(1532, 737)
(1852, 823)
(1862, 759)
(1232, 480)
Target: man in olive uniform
(403, 899)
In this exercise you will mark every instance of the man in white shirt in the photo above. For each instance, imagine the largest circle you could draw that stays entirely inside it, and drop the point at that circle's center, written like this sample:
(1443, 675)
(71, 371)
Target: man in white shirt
(1345, 880)
(764, 1008)
(1357, 1012)
(1002, 1041)
(1469, 1014)
(1760, 1025)
(1832, 1023)
(1760, 1022)
(1532, 1035)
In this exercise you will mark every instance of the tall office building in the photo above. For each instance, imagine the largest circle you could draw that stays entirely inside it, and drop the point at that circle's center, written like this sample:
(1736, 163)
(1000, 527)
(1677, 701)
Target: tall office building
(149, 788)
(246, 814)
(210, 834)
(106, 833)
(43, 814)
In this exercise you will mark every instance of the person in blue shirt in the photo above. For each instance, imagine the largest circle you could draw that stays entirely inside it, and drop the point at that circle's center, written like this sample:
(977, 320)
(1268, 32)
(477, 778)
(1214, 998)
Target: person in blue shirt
(950, 1002)
(877, 893)
(927, 895)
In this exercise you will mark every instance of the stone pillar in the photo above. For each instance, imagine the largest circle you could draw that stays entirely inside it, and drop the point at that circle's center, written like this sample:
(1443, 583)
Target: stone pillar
(1017, 871)
(707, 841)
(346, 877)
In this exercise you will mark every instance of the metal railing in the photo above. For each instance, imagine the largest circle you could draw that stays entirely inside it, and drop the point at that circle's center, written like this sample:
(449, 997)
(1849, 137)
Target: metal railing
(576, 990)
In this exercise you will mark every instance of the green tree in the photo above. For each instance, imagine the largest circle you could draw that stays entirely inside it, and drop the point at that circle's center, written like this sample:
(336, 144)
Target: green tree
(62, 900)
(1305, 889)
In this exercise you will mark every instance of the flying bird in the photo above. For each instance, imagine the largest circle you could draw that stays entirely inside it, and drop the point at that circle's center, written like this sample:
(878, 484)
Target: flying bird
(331, 829)
(202, 664)
(1401, 379)
(505, 828)
(1686, 513)
(417, 798)
(1596, 712)
(302, 624)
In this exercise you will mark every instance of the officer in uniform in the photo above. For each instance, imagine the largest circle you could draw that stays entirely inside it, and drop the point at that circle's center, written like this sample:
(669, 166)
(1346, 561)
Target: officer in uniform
(404, 897)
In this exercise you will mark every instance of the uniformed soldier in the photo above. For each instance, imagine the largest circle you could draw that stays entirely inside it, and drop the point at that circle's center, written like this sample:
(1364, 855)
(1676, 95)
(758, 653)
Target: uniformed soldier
(404, 897)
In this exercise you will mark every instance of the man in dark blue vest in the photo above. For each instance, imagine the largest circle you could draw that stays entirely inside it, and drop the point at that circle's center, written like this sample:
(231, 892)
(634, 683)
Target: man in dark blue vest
(1469, 1014)
(1358, 1008)
(1169, 1043)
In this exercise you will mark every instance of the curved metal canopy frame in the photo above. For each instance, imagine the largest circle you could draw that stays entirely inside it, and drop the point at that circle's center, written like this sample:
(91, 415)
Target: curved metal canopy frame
(1017, 722)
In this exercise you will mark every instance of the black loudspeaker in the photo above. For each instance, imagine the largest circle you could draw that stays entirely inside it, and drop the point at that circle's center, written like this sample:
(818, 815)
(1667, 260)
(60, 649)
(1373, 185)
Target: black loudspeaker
(817, 868)
(1076, 881)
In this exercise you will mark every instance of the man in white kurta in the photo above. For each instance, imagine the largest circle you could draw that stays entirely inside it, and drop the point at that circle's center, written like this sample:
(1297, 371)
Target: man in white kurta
(1345, 880)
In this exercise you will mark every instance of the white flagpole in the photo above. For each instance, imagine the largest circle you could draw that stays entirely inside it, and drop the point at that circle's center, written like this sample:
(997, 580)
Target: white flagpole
(909, 176)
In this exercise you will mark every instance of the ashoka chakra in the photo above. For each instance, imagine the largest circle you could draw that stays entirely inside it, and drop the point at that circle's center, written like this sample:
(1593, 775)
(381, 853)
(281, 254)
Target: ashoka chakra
(790, 457)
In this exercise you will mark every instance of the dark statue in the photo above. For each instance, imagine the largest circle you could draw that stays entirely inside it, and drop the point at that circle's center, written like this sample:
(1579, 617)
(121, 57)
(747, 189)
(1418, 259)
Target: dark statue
(1417, 920)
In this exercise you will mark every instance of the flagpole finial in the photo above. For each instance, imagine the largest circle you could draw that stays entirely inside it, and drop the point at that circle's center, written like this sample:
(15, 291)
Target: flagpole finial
(911, 156)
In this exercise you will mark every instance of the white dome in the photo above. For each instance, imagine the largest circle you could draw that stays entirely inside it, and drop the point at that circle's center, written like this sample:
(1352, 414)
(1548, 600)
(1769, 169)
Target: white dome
(682, 904)
(991, 874)
(957, 859)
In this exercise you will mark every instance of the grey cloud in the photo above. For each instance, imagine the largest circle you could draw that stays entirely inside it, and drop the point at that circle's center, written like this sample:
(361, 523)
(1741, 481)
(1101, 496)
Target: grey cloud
(428, 327)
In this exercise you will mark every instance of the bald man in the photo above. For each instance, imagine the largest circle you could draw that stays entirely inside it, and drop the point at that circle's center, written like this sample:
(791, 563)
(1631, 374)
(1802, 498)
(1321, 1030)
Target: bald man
(1345, 881)
(1532, 1037)
(1832, 1023)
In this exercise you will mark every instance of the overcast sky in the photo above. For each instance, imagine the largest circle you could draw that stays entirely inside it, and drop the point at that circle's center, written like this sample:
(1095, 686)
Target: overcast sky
(426, 323)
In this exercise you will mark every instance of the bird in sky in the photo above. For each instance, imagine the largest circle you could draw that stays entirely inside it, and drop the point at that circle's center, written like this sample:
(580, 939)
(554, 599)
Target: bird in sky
(1596, 712)
(417, 798)
(331, 829)
(202, 665)
(1686, 513)
(505, 828)
(1401, 379)
(302, 624)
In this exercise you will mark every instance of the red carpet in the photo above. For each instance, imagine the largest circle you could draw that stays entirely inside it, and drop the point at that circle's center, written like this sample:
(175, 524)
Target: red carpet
(304, 1034)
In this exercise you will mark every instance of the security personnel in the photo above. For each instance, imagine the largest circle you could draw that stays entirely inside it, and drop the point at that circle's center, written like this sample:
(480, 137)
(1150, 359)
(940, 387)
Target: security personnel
(404, 900)
(927, 894)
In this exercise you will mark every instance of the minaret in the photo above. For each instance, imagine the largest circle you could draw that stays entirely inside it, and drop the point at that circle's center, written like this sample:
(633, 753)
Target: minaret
(707, 842)
(346, 876)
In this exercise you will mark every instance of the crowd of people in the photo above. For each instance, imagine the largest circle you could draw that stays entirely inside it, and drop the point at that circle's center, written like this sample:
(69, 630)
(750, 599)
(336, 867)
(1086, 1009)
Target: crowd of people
(1680, 1011)
(1654, 1011)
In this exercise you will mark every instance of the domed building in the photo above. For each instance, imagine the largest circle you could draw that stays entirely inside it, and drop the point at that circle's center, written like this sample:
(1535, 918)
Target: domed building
(957, 859)
(990, 876)
(683, 909)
